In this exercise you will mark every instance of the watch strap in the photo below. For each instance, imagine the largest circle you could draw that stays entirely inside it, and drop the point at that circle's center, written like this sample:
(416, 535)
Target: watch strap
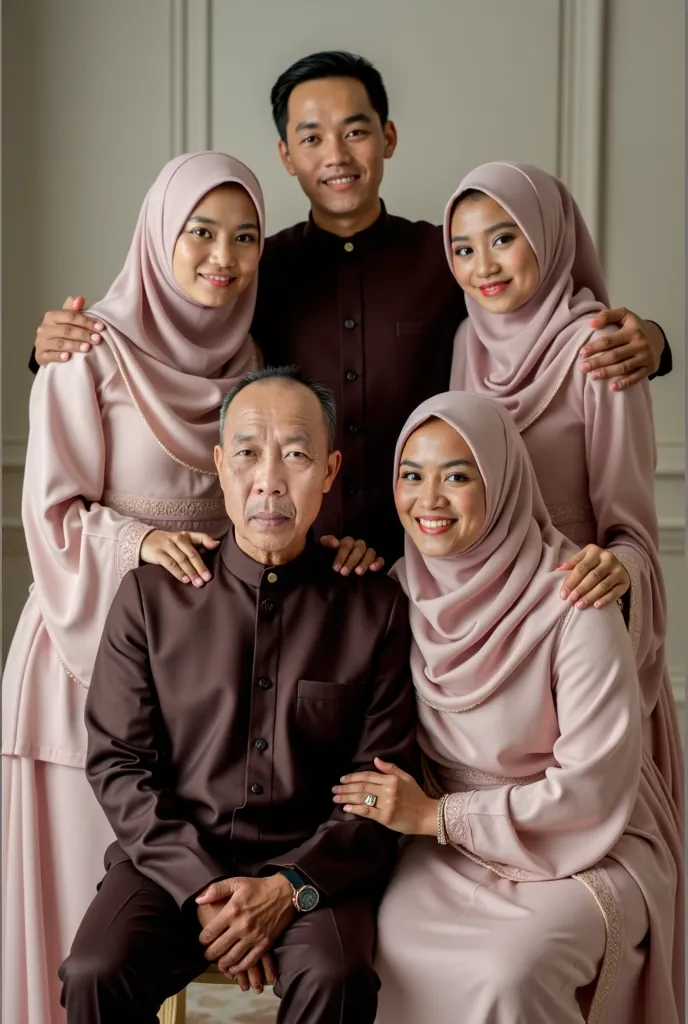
(296, 880)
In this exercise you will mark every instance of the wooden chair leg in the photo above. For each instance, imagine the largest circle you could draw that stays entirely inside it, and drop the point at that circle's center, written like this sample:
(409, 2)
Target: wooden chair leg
(173, 1010)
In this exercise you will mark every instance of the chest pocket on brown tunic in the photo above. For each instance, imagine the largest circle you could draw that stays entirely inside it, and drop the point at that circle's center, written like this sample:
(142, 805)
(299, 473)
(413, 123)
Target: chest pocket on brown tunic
(330, 715)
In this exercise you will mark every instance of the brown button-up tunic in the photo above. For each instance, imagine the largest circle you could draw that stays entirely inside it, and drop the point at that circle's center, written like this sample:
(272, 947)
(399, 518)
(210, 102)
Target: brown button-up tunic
(373, 317)
(219, 718)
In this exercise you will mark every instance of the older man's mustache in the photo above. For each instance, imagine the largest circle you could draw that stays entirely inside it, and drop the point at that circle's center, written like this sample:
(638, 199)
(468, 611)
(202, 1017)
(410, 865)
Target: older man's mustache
(276, 509)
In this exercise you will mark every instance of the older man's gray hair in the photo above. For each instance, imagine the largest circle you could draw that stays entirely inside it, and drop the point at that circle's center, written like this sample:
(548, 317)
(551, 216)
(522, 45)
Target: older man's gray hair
(289, 375)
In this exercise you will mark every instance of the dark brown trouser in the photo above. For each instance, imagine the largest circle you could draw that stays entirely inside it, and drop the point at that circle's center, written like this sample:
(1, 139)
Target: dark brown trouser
(134, 948)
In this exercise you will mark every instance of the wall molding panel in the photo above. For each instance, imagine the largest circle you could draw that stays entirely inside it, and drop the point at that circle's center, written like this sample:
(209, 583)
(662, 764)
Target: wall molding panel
(671, 459)
(191, 76)
(582, 40)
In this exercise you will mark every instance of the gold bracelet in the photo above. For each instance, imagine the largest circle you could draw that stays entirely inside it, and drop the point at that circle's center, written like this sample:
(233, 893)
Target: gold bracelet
(441, 828)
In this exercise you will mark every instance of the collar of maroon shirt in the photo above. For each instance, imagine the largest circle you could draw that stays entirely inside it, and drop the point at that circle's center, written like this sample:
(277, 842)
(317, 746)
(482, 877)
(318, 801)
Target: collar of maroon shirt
(300, 570)
(369, 236)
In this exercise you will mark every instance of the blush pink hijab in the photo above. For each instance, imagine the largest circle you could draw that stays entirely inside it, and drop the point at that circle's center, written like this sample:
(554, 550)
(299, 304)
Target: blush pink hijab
(477, 615)
(522, 358)
(178, 358)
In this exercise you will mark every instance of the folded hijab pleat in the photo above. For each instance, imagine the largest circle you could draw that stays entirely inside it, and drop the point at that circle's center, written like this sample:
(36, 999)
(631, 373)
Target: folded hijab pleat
(522, 358)
(178, 358)
(477, 615)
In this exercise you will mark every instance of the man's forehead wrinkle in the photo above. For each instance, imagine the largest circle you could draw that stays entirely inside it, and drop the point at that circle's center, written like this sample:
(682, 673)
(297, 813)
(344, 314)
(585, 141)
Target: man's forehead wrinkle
(297, 429)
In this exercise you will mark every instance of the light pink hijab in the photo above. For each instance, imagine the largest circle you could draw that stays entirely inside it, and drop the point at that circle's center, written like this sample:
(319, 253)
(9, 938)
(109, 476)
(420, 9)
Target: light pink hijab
(477, 615)
(522, 358)
(178, 358)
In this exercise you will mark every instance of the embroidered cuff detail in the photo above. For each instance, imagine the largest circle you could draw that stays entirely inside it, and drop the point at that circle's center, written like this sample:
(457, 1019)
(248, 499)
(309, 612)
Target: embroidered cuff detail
(456, 819)
(635, 612)
(129, 549)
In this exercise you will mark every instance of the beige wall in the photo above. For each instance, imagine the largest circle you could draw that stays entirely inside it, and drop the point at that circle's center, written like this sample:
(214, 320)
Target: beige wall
(99, 94)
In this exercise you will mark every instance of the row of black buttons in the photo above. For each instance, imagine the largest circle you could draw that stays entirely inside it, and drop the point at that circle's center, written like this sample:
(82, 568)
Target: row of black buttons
(260, 743)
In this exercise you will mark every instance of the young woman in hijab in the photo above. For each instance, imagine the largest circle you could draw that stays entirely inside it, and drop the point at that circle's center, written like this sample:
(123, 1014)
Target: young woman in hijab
(519, 248)
(176, 338)
(543, 880)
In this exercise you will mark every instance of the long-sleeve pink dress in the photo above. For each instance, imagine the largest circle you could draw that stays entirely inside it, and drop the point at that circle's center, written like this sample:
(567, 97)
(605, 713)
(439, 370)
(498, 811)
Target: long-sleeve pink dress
(96, 482)
(593, 450)
(558, 899)
(594, 457)
(564, 853)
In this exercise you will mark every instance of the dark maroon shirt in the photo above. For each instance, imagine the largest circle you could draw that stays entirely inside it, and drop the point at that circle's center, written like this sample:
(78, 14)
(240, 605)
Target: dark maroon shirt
(373, 317)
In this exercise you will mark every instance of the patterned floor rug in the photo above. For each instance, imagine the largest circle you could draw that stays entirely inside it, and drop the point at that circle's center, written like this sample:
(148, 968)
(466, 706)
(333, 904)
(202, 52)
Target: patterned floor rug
(227, 1004)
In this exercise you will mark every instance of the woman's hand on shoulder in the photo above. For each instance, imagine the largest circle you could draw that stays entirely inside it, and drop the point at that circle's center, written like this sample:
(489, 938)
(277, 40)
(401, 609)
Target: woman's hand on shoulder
(394, 799)
(64, 331)
(352, 554)
(177, 552)
(596, 578)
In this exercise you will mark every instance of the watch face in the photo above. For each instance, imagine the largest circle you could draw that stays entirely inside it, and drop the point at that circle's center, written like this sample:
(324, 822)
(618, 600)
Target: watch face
(308, 898)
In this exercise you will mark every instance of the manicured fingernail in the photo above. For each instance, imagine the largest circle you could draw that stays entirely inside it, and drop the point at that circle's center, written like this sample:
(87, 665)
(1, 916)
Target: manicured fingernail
(99, 326)
(359, 570)
(95, 337)
(617, 387)
(64, 357)
(347, 808)
(197, 582)
(206, 576)
(336, 566)
(595, 375)
(185, 579)
(344, 778)
(581, 605)
(574, 595)
(84, 347)
(598, 604)
(345, 571)
(564, 594)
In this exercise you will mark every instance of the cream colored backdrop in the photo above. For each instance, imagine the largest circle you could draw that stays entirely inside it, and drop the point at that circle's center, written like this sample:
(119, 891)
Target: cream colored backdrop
(98, 95)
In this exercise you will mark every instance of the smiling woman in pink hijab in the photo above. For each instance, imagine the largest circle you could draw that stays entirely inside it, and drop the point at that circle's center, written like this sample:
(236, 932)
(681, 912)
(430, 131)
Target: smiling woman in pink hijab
(119, 470)
(542, 882)
(519, 248)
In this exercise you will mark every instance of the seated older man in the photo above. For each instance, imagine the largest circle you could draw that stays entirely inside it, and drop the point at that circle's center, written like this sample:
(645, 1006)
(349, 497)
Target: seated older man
(219, 719)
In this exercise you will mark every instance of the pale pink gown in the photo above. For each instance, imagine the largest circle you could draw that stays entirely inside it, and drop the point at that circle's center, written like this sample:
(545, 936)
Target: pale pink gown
(539, 913)
(96, 482)
(594, 457)
(560, 897)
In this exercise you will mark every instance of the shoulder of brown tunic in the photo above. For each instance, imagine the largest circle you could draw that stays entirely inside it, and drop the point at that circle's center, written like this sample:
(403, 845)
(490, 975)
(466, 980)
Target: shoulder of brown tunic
(154, 579)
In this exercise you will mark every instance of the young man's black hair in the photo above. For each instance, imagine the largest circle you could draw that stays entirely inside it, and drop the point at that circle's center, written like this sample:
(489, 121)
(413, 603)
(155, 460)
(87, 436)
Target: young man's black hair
(328, 64)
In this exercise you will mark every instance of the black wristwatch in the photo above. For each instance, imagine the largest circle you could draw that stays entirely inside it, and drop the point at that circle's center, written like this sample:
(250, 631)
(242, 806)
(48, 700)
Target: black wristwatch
(306, 897)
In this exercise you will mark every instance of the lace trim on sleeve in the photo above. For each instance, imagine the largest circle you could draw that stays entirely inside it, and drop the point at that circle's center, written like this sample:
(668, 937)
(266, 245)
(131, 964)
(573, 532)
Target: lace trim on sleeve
(635, 614)
(456, 819)
(129, 549)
